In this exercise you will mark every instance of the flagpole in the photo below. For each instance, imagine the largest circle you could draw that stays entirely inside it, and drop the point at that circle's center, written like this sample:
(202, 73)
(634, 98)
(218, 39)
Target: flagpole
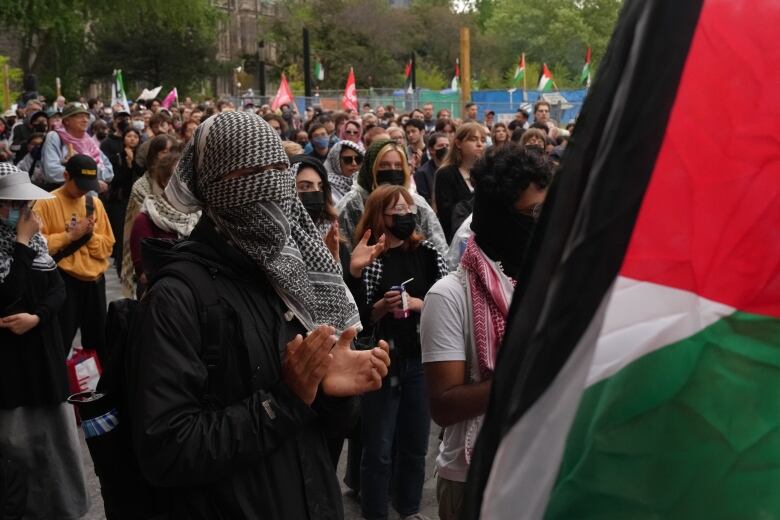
(525, 86)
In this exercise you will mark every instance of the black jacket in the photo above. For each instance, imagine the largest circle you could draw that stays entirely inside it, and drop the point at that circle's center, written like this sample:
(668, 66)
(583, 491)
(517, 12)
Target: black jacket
(34, 363)
(450, 189)
(252, 449)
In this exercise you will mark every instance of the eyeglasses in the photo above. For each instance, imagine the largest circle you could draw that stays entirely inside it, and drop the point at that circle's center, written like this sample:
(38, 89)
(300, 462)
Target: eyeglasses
(352, 159)
(401, 210)
(534, 211)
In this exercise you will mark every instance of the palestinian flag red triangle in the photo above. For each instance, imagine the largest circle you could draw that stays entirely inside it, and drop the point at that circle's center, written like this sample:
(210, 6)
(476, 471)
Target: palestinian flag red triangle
(640, 372)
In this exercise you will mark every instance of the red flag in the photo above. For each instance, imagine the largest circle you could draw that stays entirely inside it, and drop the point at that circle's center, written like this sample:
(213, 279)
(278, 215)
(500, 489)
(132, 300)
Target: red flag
(349, 101)
(284, 95)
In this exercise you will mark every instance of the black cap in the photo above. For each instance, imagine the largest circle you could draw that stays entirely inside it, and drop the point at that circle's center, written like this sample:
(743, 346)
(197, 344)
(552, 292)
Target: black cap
(83, 170)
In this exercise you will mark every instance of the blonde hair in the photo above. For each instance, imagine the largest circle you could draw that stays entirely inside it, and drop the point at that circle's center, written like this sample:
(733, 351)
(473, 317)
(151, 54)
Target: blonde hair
(291, 148)
(464, 131)
(391, 147)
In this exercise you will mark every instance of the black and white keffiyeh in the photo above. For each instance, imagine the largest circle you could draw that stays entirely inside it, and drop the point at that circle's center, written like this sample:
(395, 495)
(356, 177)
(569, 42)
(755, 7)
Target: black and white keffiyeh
(339, 183)
(42, 262)
(262, 215)
(372, 274)
(167, 217)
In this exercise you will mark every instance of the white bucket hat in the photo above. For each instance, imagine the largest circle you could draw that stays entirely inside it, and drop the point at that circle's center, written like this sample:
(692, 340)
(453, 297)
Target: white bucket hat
(15, 185)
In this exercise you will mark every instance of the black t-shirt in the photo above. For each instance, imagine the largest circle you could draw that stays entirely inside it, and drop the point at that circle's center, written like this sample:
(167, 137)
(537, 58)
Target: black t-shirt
(398, 266)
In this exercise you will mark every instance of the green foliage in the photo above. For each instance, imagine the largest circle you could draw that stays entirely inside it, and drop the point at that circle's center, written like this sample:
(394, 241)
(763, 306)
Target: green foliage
(430, 76)
(80, 41)
(168, 43)
(51, 36)
(561, 32)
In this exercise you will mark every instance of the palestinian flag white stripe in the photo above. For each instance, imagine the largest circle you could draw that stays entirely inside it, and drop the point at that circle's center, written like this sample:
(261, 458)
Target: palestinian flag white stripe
(643, 317)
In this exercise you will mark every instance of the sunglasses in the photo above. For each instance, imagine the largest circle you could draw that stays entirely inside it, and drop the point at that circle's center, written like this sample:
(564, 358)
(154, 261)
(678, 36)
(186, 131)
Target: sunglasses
(351, 132)
(352, 159)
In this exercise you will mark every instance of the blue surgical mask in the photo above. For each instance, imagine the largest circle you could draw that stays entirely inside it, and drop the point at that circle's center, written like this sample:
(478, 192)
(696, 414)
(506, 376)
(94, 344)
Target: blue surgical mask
(13, 218)
(321, 142)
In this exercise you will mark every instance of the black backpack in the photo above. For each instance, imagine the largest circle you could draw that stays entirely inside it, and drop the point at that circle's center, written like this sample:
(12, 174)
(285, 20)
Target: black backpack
(126, 493)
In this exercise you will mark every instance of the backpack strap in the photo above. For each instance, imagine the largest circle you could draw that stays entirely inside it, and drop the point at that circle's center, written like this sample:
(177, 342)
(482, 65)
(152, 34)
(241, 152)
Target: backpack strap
(212, 315)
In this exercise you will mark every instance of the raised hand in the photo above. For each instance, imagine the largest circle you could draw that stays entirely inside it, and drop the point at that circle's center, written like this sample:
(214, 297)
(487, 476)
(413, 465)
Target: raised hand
(306, 361)
(354, 372)
(332, 240)
(363, 254)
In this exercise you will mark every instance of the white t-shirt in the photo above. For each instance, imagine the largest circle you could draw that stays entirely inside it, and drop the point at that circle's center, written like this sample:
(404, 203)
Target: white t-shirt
(445, 333)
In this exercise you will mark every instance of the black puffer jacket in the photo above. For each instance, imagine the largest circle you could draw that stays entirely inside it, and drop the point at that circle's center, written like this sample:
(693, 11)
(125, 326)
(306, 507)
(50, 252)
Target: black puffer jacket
(253, 450)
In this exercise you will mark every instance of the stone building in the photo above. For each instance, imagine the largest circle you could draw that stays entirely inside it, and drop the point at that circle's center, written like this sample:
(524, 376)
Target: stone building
(240, 44)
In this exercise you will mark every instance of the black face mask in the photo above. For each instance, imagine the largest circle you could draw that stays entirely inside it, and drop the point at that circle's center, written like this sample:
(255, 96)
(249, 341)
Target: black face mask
(36, 152)
(395, 177)
(403, 226)
(534, 148)
(503, 234)
(101, 134)
(41, 128)
(314, 202)
(441, 153)
(123, 125)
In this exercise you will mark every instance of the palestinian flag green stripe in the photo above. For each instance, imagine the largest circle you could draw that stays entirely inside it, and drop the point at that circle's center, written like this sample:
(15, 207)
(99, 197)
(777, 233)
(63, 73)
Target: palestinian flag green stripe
(697, 415)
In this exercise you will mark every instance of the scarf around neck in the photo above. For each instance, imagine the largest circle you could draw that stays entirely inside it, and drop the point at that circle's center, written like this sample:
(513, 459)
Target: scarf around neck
(42, 262)
(490, 293)
(82, 145)
(261, 214)
(168, 218)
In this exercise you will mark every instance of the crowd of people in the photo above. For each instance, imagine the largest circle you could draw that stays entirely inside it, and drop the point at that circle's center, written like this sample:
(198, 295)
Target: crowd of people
(366, 260)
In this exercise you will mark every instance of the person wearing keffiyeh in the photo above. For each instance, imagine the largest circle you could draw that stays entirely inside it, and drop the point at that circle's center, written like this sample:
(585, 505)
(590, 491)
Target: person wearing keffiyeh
(464, 318)
(343, 163)
(37, 426)
(275, 396)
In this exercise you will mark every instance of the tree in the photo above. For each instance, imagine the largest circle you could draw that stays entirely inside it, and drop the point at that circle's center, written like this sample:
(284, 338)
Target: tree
(168, 43)
(51, 36)
(556, 32)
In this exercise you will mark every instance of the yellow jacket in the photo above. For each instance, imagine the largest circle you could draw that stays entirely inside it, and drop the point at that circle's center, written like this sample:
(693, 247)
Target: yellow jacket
(92, 260)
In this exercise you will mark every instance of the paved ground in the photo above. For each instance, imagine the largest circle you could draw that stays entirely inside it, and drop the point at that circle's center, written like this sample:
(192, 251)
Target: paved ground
(351, 507)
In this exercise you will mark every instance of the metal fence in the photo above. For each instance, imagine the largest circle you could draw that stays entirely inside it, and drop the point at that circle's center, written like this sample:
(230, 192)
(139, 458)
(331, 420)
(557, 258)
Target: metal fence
(565, 105)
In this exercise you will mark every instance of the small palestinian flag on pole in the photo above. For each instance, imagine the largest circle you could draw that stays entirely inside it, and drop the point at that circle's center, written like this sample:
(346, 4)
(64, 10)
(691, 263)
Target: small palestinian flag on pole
(585, 75)
(408, 77)
(456, 79)
(519, 71)
(546, 81)
(319, 71)
(640, 369)
(118, 95)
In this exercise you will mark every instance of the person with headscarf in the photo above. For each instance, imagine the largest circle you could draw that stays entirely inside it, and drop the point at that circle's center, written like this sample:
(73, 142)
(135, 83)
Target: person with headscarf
(464, 317)
(257, 448)
(145, 186)
(386, 163)
(158, 218)
(343, 162)
(37, 427)
(351, 130)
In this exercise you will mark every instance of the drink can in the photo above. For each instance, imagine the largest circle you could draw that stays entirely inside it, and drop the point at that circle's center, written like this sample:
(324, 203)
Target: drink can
(403, 312)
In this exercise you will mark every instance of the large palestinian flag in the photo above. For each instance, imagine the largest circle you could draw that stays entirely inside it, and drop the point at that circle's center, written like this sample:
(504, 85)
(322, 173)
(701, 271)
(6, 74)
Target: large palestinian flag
(640, 374)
